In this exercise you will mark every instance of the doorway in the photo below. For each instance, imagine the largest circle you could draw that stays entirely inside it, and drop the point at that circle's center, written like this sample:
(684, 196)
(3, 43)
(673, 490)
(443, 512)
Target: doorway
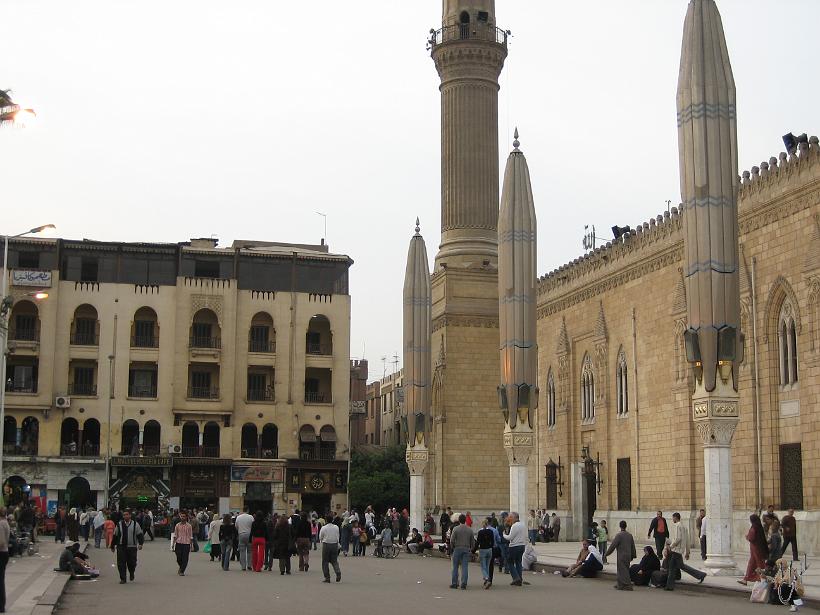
(591, 485)
(258, 497)
(316, 502)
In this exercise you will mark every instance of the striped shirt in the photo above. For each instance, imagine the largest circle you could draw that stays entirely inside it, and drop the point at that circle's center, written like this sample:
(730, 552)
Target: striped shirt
(183, 533)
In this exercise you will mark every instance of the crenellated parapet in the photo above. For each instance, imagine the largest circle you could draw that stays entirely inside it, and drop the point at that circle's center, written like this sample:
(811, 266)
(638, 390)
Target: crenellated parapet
(777, 172)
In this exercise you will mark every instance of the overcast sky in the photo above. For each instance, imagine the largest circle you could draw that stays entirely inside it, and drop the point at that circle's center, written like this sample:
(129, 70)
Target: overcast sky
(161, 121)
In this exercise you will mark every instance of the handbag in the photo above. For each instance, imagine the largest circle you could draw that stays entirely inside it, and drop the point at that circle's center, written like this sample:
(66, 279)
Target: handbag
(760, 592)
(207, 547)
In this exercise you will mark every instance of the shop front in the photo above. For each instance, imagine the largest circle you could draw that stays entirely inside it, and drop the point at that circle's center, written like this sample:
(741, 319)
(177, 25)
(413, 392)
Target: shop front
(201, 483)
(140, 482)
(25, 482)
(258, 487)
(320, 487)
(77, 484)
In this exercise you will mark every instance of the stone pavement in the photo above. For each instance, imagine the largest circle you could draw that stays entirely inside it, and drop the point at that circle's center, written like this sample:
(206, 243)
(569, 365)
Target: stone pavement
(32, 586)
(556, 555)
(370, 586)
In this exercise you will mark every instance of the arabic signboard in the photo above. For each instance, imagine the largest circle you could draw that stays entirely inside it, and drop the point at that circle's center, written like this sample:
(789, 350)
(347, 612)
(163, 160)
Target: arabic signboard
(257, 473)
(31, 277)
(358, 407)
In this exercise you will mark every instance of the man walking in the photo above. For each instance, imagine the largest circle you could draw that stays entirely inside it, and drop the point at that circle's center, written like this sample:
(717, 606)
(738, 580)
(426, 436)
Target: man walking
(702, 525)
(127, 541)
(624, 544)
(243, 530)
(660, 528)
(329, 537)
(555, 526)
(183, 538)
(99, 527)
(517, 538)
(789, 525)
(679, 549)
(462, 541)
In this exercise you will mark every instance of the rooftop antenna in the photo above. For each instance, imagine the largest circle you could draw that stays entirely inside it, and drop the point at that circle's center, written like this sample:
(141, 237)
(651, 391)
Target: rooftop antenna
(384, 367)
(395, 363)
(324, 216)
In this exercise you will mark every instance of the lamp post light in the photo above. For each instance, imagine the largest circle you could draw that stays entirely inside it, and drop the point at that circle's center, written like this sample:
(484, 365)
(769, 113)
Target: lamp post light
(6, 302)
(108, 438)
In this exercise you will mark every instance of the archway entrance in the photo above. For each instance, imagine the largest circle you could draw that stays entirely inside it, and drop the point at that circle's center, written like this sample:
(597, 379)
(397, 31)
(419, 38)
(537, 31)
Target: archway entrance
(77, 494)
(591, 485)
(16, 490)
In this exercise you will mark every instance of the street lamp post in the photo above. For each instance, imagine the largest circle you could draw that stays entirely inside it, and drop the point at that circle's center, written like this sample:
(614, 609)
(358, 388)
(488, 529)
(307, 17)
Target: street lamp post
(108, 438)
(5, 308)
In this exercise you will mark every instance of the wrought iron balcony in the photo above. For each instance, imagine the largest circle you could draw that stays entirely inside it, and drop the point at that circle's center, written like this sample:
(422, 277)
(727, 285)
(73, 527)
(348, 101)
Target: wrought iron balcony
(24, 334)
(476, 31)
(260, 394)
(144, 341)
(317, 348)
(148, 391)
(312, 397)
(203, 393)
(268, 346)
(82, 388)
(200, 451)
(79, 338)
(205, 342)
(309, 453)
(21, 387)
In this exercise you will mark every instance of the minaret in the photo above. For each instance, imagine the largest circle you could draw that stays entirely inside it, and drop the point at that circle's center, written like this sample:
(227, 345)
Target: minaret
(469, 52)
(707, 142)
(517, 261)
(416, 333)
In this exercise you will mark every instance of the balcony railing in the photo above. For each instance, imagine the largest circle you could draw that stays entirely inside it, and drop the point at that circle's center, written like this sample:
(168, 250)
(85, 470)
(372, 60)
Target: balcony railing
(260, 394)
(261, 346)
(142, 391)
(317, 348)
(24, 335)
(312, 454)
(84, 339)
(19, 449)
(203, 393)
(82, 389)
(476, 31)
(69, 450)
(90, 449)
(144, 341)
(200, 451)
(204, 342)
(150, 450)
(317, 398)
(263, 453)
(21, 387)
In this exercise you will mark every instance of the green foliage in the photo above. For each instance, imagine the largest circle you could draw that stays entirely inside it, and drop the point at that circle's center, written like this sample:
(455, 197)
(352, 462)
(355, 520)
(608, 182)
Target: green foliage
(380, 479)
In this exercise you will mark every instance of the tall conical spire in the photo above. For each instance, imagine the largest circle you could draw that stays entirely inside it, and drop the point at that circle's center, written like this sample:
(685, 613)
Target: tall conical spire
(707, 141)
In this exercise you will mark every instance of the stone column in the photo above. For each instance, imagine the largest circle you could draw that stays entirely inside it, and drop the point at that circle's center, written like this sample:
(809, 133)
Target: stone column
(417, 457)
(518, 443)
(716, 416)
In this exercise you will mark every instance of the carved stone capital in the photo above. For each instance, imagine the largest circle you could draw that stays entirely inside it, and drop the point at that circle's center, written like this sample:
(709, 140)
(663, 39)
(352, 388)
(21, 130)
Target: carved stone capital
(417, 458)
(518, 443)
(716, 414)
(716, 432)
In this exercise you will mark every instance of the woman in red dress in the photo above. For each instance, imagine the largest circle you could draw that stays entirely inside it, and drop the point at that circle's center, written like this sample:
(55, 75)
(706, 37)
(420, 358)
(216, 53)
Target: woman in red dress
(758, 550)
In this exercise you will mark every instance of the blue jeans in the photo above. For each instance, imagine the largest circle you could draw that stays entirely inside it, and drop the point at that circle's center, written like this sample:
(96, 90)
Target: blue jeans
(505, 548)
(533, 535)
(485, 556)
(461, 556)
(227, 547)
(98, 532)
(515, 555)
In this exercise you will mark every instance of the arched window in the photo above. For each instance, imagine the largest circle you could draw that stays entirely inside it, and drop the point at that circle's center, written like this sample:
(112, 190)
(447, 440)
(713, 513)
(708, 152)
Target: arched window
(210, 439)
(327, 443)
(145, 331)
(30, 436)
(318, 339)
(9, 435)
(587, 391)
(551, 417)
(190, 439)
(69, 436)
(130, 438)
(250, 441)
(205, 330)
(91, 438)
(24, 324)
(622, 385)
(787, 345)
(85, 328)
(307, 443)
(262, 335)
(151, 438)
(269, 442)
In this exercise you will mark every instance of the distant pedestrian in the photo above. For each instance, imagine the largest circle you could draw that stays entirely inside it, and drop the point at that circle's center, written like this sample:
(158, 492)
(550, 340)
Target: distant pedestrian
(258, 532)
(659, 529)
(517, 537)
(183, 537)
(302, 532)
(213, 538)
(127, 541)
(329, 537)
(789, 525)
(624, 544)
(99, 527)
(532, 527)
(281, 544)
(758, 550)
(227, 537)
(462, 542)
(243, 529)
(485, 541)
(5, 534)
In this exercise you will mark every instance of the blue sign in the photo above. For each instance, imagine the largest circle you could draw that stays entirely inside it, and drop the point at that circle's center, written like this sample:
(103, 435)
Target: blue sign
(52, 508)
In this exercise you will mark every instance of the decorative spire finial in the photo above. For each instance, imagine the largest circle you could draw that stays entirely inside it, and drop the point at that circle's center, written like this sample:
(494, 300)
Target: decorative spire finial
(516, 143)
(418, 228)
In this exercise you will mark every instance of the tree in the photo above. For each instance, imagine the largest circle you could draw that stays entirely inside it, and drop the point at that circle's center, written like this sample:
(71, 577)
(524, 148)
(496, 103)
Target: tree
(379, 479)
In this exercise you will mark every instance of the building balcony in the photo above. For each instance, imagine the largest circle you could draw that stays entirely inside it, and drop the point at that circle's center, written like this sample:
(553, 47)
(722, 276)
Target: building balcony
(82, 389)
(142, 391)
(206, 343)
(19, 449)
(476, 31)
(260, 453)
(150, 450)
(263, 394)
(23, 335)
(318, 398)
(200, 451)
(267, 347)
(144, 341)
(319, 349)
(209, 393)
(311, 454)
(85, 339)
(21, 387)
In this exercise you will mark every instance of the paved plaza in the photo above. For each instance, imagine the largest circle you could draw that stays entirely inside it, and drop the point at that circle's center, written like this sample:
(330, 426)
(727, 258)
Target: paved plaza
(408, 584)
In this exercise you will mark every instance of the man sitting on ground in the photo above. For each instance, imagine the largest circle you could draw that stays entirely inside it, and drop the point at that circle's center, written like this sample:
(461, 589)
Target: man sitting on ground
(414, 542)
(74, 561)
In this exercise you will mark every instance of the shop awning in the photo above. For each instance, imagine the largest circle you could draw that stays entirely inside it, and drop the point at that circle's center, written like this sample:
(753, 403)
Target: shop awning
(307, 434)
(327, 434)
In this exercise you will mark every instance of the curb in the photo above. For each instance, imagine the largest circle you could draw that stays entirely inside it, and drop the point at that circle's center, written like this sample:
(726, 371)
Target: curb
(51, 597)
(699, 588)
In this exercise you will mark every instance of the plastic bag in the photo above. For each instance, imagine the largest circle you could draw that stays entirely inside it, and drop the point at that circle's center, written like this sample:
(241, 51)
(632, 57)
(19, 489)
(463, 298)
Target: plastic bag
(207, 547)
(760, 592)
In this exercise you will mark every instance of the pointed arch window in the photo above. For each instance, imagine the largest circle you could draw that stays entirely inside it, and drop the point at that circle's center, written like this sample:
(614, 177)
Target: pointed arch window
(787, 345)
(551, 418)
(587, 391)
(622, 385)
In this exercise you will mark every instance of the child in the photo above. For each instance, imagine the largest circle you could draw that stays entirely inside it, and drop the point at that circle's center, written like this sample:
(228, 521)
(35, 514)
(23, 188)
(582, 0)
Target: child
(603, 536)
(109, 531)
(356, 531)
(314, 533)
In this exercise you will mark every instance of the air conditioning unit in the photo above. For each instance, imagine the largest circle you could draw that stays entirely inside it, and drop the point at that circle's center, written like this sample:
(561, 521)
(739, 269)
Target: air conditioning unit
(175, 449)
(63, 402)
